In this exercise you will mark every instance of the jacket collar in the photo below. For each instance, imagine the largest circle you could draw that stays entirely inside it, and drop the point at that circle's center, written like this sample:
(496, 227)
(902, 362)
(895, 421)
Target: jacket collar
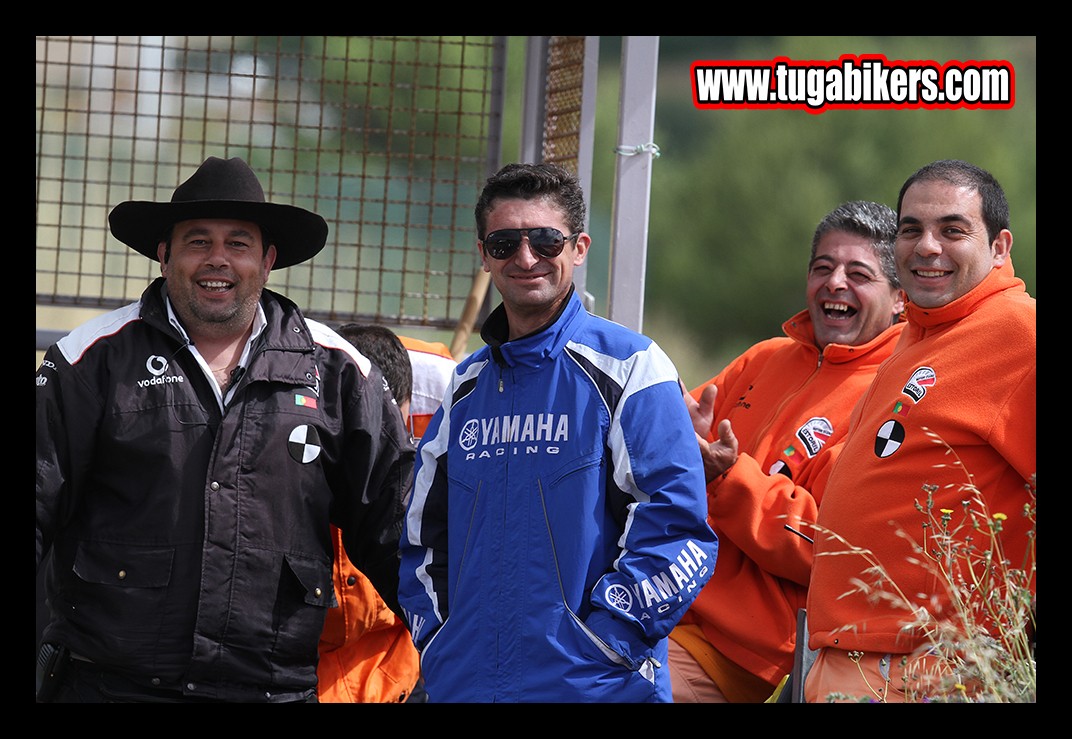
(285, 342)
(800, 329)
(998, 280)
(545, 342)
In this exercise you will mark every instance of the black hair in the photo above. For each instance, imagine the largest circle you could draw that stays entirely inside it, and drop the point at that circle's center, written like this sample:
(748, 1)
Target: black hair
(529, 182)
(382, 346)
(963, 174)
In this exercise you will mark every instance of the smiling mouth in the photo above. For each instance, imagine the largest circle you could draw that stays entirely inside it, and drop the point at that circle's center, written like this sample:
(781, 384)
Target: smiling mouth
(215, 286)
(930, 273)
(838, 310)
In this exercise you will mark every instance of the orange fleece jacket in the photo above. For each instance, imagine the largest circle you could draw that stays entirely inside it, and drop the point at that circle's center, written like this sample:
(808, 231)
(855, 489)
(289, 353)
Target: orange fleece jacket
(785, 402)
(965, 371)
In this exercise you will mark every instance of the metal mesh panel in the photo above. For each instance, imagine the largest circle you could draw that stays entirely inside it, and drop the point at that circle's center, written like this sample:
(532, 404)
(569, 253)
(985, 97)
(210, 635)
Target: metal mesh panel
(565, 86)
(386, 137)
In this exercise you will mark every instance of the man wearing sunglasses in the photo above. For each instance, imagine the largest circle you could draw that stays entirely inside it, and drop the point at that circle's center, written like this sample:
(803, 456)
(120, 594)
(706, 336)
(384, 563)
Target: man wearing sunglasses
(557, 527)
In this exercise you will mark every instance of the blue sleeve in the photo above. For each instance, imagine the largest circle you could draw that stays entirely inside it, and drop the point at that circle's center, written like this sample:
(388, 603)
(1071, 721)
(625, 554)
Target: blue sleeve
(423, 571)
(668, 551)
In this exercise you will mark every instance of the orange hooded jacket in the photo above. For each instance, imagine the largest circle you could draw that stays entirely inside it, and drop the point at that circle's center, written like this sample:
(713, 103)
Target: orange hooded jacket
(786, 401)
(964, 373)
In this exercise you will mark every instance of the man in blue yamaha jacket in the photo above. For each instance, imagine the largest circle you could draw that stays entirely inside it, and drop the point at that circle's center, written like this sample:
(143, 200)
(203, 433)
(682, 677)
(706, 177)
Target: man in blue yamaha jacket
(557, 529)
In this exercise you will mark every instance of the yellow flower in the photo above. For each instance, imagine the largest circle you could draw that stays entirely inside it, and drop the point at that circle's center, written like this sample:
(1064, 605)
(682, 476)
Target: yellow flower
(1000, 517)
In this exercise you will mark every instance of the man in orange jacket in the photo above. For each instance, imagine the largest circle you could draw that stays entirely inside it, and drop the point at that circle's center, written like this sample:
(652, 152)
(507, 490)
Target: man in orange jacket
(366, 652)
(948, 425)
(761, 422)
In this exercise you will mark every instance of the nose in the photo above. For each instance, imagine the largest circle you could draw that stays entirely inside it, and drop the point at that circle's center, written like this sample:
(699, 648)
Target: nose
(526, 256)
(928, 244)
(217, 254)
(837, 279)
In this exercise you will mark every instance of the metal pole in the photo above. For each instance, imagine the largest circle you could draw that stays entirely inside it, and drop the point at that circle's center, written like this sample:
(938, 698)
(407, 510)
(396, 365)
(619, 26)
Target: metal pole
(632, 186)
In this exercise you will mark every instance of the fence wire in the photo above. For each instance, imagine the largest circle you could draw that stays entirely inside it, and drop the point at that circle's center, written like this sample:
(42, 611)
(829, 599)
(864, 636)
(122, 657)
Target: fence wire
(389, 138)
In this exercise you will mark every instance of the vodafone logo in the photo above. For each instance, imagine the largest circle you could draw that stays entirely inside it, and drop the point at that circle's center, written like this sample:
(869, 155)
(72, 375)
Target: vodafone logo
(156, 365)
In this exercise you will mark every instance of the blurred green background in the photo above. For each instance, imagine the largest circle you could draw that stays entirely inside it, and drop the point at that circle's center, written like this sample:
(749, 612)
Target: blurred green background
(736, 194)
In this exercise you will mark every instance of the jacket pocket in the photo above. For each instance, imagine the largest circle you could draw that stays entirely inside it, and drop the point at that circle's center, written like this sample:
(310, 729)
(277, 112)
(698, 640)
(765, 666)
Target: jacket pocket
(313, 579)
(305, 594)
(123, 587)
(123, 565)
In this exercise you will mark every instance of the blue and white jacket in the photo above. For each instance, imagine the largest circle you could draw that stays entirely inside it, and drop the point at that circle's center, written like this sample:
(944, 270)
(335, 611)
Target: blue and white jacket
(557, 528)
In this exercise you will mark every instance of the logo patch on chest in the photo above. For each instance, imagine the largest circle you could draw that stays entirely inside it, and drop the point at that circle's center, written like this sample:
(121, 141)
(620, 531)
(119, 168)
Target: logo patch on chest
(814, 433)
(304, 444)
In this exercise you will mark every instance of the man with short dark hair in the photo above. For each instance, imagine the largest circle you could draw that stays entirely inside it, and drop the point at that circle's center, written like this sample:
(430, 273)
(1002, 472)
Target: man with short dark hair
(933, 487)
(557, 529)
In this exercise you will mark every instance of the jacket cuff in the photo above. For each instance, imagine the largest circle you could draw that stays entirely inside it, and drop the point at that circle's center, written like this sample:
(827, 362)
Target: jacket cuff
(622, 636)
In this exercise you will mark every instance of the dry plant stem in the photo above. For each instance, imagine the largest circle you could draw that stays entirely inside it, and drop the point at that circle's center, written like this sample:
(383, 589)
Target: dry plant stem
(982, 648)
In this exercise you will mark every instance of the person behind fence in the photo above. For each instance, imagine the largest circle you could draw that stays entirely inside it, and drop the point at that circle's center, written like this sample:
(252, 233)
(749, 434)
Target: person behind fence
(762, 422)
(193, 450)
(366, 654)
(933, 485)
(556, 531)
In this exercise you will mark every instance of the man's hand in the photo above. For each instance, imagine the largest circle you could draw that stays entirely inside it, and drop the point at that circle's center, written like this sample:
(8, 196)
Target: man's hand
(702, 413)
(720, 454)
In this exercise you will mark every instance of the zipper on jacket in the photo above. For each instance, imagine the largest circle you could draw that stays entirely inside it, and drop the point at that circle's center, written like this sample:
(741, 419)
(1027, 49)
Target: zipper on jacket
(496, 354)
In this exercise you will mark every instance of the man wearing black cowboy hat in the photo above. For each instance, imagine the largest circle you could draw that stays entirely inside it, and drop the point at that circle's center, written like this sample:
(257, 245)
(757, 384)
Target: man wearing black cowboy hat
(192, 450)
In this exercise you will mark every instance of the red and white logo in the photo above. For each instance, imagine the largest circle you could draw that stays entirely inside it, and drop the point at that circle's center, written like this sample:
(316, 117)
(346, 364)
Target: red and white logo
(917, 385)
(814, 433)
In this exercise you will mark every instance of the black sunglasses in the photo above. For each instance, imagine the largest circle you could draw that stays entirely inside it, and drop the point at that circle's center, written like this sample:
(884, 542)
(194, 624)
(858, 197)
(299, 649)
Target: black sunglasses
(545, 241)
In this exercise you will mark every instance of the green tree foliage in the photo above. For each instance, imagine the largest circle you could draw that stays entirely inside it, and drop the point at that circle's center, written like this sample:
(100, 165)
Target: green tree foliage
(736, 194)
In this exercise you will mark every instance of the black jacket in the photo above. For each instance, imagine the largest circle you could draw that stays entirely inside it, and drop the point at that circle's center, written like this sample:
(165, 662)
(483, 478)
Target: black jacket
(191, 545)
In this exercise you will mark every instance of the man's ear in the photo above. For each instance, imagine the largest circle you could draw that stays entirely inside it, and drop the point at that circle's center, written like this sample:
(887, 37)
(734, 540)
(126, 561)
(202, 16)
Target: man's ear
(269, 261)
(1002, 247)
(898, 305)
(584, 241)
(161, 256)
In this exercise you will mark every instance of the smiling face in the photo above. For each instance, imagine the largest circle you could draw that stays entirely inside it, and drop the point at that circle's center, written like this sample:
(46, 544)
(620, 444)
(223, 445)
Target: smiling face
(942, 249)
(215, 273)
(849, 300)
(533, 287)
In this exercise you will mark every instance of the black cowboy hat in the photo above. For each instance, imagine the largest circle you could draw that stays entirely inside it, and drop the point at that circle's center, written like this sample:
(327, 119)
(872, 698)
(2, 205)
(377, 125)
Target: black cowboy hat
(221, 188)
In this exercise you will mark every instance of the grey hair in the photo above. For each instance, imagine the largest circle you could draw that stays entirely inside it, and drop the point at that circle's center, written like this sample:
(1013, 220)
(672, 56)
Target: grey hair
(874, 221)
